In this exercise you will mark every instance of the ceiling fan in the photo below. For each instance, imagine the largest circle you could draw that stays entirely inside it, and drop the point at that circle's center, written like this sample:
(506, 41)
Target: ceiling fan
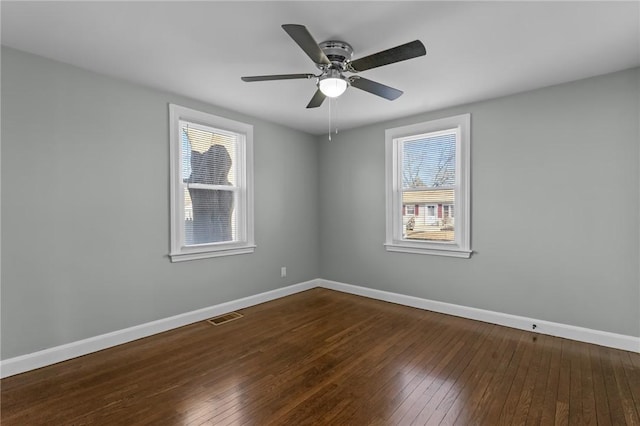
(333, 58)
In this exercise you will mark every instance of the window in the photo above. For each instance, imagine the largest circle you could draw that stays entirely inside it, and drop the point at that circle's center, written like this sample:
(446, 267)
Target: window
(211, 185)
(428, 164)
(411, 210)
(448, 211)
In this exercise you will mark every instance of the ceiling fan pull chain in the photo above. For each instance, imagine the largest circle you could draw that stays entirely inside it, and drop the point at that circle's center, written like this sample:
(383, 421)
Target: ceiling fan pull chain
(330, 103)
(336, 114)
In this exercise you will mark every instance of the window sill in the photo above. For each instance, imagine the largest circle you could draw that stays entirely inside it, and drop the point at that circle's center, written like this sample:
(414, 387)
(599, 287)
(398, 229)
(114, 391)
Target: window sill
(414, 249)
(195, 255)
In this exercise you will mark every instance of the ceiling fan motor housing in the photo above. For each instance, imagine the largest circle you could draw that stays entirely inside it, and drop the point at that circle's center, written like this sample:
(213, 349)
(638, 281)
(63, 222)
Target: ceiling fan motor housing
(338, 52)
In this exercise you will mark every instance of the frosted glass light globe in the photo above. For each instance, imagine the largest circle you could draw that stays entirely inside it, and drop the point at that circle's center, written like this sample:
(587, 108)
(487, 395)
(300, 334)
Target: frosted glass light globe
(332, 87)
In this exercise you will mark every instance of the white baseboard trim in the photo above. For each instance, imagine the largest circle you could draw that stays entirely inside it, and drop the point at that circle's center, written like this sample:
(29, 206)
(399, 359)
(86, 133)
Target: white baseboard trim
(602, 338)
(23, 363)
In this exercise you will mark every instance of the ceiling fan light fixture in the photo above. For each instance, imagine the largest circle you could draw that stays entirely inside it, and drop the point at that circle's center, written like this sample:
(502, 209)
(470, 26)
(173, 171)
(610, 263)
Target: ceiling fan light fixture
(333, 84)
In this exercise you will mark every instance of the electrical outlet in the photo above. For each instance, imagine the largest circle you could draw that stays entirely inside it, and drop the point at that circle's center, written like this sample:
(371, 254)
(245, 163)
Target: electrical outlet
(283, 272)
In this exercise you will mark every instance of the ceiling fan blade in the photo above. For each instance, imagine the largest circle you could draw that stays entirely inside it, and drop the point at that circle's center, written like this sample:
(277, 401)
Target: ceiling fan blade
(403, 52)
(276, 77)
(317, 99)
(375, 88)
(301, 35)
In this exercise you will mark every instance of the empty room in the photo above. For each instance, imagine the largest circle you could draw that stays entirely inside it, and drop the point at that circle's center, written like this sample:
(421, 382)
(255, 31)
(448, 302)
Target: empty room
(320, 213)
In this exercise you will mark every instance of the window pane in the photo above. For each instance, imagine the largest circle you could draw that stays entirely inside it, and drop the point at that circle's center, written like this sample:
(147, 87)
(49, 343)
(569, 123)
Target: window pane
(434, 218)
(208, 156)
(209, 216)
(429, 161)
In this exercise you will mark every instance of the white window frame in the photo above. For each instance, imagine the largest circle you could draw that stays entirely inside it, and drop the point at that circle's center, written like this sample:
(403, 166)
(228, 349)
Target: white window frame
(413, 210)
(244, 187)
(394, 138)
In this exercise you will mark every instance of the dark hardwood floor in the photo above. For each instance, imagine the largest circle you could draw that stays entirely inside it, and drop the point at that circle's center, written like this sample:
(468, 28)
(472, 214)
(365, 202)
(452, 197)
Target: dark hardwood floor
(327, 358)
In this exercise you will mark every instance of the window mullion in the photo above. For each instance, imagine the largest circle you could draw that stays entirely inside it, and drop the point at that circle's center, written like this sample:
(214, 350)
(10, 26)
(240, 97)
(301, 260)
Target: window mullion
(211, 187)
(429, 188)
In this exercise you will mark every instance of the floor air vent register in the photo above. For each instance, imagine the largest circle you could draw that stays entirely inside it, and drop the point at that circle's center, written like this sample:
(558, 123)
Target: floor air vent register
(225, 318)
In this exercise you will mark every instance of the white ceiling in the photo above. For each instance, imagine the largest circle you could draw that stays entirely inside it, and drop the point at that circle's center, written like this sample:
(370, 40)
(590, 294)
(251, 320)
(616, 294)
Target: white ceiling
(475, 50)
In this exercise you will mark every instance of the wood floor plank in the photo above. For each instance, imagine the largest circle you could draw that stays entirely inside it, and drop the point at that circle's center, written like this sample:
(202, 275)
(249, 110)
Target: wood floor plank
(589, 412)
(479, 395)
(624, 391)
(436, 391)
(614, 398)
(603, 416)
(456, 384)
(500, 389)
(421, 367)
(533, 411)
(379, 402)
(433, 398)
(553, 379)
(511, 402)
(564, 385)
(575, 386)
(632, 370)
(321, 376)
(531, 382)
(322, 357)
(359, 376)
(407, 410)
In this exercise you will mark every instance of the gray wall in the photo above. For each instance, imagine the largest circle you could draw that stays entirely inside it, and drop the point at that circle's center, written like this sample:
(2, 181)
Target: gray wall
(555, 208)
(85, 208)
